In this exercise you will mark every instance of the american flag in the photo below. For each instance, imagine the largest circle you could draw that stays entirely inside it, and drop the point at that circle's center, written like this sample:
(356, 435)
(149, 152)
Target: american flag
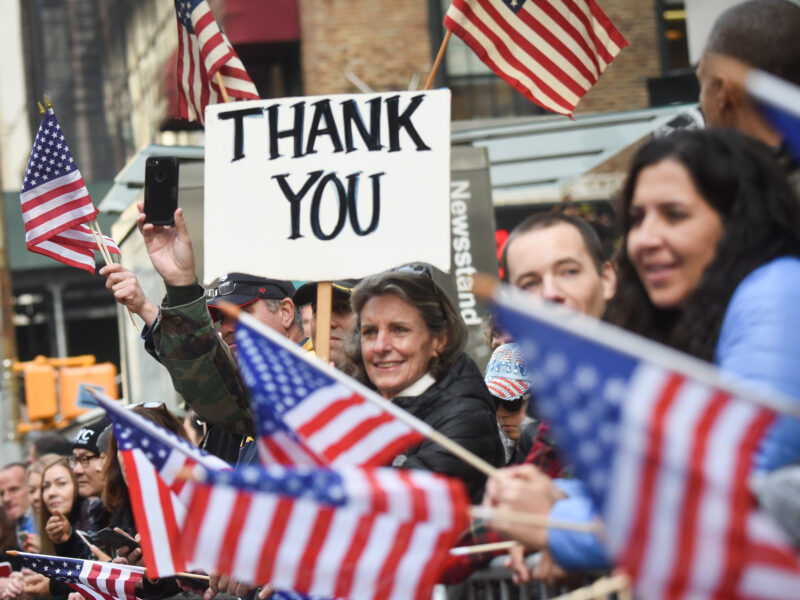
(153, 458)
(56, 203)
(308, 413)
(92, 579)
(551, 51)
(665, 448)
(203, 50)
(331, 532)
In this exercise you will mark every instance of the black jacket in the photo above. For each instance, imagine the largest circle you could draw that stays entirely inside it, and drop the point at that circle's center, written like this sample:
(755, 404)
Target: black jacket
(460, 407)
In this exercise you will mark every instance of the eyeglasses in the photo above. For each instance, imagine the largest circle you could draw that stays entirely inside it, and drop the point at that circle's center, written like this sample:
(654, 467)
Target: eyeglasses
(84, 460)
(148, 405)
(422, 269)
(226, 288)
(510, 405)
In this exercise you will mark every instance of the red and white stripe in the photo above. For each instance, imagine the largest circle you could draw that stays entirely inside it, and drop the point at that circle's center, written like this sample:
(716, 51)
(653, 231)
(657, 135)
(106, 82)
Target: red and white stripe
(158, 513)
(391, 540)
(504, 387)
(696, 533)
(200, 57)
(551, 51)
(107, 581)
(344, 428)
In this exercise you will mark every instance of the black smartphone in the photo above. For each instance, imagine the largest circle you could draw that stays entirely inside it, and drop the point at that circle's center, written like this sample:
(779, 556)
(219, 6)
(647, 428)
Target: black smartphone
(160, 190)
(114, 539)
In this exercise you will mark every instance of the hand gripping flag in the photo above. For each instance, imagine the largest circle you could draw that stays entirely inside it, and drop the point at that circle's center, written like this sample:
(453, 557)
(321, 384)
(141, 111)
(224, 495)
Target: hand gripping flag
(55, 202)
(153, 457)
(664, 447)
(92, 579)
(308, 413)
(551, 51)
(331, 532)
(204, 51)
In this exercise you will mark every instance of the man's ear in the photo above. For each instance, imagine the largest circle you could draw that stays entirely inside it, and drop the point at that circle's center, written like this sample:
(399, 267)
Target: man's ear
(287, 313)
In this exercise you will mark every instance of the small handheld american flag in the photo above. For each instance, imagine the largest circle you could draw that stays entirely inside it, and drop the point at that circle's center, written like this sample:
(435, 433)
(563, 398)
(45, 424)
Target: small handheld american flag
(204, 51)
(551, 51)
(55, 202)
(331, 532)
(309, 414)
(665, 447)
(92, 579)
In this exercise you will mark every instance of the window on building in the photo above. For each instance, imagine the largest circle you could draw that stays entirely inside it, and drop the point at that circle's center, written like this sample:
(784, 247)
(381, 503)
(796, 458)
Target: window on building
(477, 91)
(672, 27)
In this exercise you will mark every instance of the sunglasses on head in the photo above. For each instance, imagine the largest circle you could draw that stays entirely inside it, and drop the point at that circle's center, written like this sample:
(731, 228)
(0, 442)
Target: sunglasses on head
(426, 271)
(226, 288)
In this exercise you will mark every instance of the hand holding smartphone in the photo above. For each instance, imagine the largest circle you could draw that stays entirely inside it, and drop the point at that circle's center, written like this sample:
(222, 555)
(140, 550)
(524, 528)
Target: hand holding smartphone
(161, 190)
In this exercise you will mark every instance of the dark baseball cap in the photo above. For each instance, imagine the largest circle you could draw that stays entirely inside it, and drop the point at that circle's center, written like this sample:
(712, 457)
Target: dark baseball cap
(87, 437)
(242, 289)
(308, 291)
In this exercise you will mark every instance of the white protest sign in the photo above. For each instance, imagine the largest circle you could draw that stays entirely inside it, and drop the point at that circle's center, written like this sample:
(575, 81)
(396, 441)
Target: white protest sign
(327, 187)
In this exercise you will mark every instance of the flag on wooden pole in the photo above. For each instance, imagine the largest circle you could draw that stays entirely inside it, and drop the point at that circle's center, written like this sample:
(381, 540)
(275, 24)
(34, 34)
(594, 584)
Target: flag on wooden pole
(204, 51)
(665, 447)
(92, 579)
(331, 532)
(55, 202)
(551, 51)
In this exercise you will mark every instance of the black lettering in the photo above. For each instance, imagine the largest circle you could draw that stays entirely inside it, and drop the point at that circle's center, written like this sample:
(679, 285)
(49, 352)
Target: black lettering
(315, 206)
(238, 128)
(322, 110)
(296, 132)
(352, 202)
(398, 121)
(294, 199)
(352, 114)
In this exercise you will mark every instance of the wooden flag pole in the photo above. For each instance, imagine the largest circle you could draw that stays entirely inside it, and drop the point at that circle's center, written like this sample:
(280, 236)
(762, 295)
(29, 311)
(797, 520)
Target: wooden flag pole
(479, 548)
(322, 343)
(222, 89)
(523, 518)
(438, 61)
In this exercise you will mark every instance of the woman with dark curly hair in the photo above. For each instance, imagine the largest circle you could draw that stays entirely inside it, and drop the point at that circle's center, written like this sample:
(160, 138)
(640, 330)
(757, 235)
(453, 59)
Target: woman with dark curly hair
(710, 264)
(408, 344)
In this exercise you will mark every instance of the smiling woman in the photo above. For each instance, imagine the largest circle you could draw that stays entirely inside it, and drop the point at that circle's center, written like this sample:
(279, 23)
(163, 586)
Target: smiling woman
(710, 263)
(408, 344)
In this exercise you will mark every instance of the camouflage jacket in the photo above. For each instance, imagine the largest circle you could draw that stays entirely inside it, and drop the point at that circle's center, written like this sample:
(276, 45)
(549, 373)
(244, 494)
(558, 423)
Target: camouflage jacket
(202, 367)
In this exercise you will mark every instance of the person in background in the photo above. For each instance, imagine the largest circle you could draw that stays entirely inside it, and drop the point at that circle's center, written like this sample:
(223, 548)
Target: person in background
(507, 381)
(14, 496)
(342, 317)
(61, 507)
(48, 442)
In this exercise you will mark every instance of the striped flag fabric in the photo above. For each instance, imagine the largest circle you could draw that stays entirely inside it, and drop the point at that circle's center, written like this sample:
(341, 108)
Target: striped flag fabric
(551, 51)
(331, 532)
(665, 448)
(92, 579)
(55, 202)
(204, 51)
(153, 458)
(307, 412)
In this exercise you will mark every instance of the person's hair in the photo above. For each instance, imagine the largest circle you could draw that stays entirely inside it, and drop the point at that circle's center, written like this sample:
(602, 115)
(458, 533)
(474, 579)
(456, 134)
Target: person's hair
(762, 33)
(545, 220)
(51, 442)
(273, 304)
(115, 491)
(44, 514)
(740, 180)
(437, 310)
(39, 465)
(11, 465)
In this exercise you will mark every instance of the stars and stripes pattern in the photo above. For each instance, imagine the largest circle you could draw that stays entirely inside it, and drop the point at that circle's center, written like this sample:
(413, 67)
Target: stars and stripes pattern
(307, 413)
(55, 202)
(551, 51)
(92, 579)
(204, 51)
(665, 450)
(153, 459)
(344, 532)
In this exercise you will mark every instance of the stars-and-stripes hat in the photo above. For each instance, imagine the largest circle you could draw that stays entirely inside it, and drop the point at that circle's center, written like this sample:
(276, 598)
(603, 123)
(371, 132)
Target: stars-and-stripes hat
(506, 374)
